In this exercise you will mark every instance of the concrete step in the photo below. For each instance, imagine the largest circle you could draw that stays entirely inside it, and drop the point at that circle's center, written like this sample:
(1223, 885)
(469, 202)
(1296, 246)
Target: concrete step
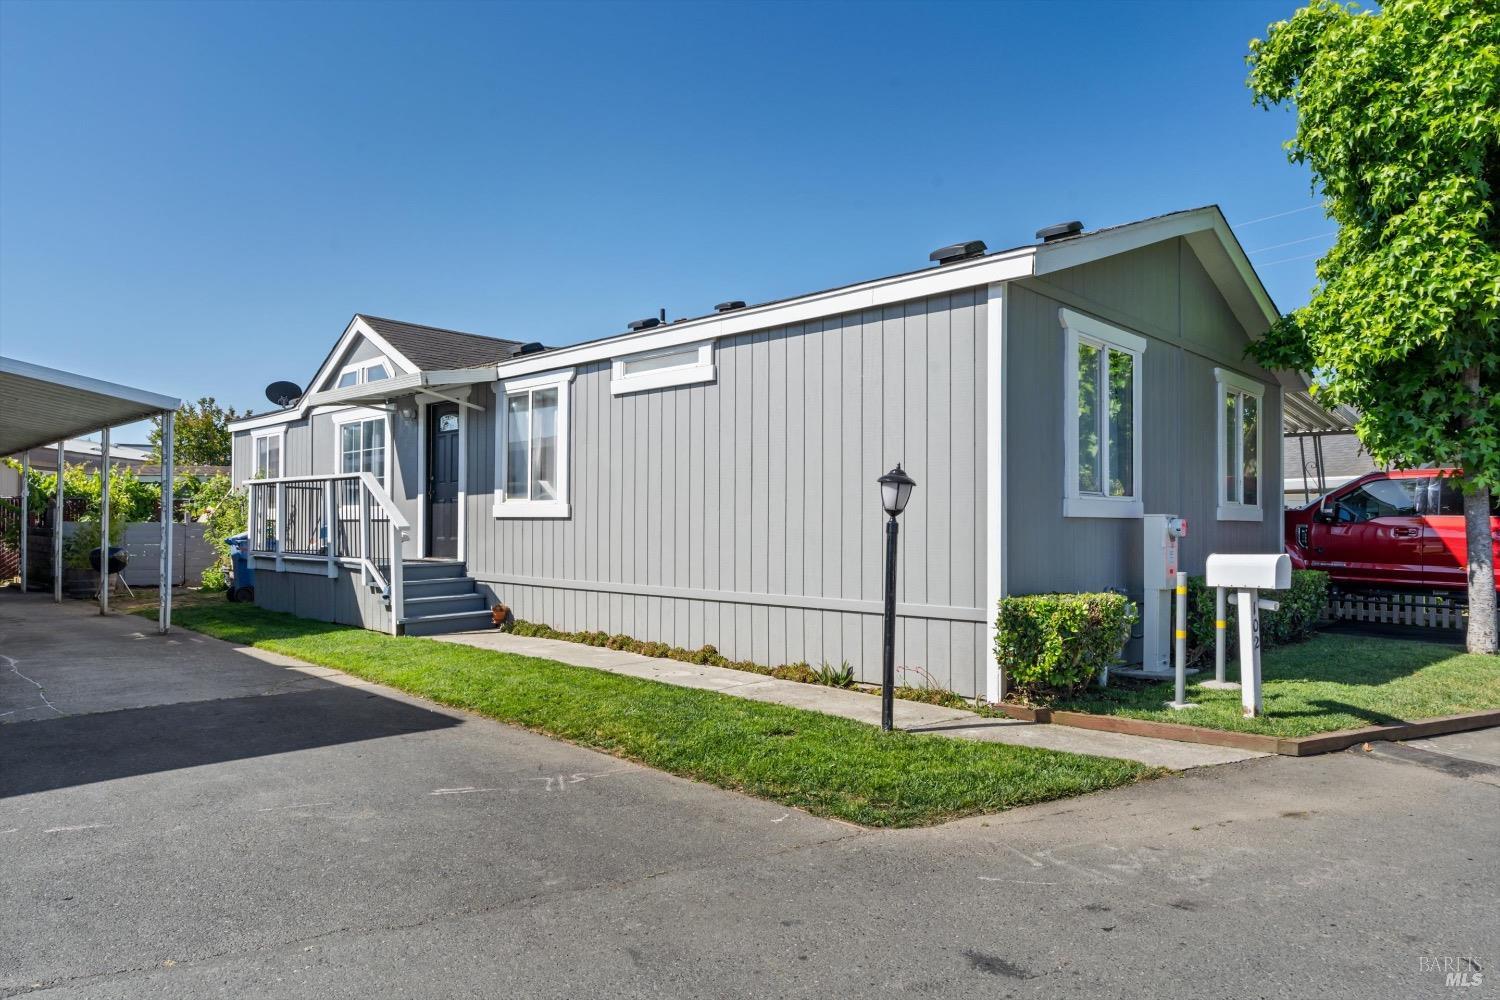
(440, 604)
(457, 621)
(442, 586)
(433, 569)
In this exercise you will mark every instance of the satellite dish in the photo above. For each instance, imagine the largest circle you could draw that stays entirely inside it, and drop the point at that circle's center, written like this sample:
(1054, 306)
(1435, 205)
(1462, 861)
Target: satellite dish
(283, 393)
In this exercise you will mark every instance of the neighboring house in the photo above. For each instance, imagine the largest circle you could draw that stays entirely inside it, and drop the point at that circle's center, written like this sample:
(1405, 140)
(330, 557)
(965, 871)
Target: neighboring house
(1314, 463)
(712, 480)
(76, 451)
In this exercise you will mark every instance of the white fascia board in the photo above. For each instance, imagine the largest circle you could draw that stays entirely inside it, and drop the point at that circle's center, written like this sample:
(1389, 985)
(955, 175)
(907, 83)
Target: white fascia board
(978, 273)
(357, 328)
(369, 392)
(1086, 249)
(72, 380)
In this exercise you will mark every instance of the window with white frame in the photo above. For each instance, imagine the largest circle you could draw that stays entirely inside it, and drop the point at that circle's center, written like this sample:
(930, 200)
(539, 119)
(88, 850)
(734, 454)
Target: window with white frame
(265, 454)
(1239, 401)
(683, 364)
(362, 446)
(1102, 418)
(532, 446)
(362, 372)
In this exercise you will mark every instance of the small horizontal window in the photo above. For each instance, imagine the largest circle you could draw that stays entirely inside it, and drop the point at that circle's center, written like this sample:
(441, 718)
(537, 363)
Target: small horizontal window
(685, 364)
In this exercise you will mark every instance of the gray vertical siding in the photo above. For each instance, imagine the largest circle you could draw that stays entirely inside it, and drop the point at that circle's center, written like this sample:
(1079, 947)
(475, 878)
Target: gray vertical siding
(743, 513)
(1161, 292)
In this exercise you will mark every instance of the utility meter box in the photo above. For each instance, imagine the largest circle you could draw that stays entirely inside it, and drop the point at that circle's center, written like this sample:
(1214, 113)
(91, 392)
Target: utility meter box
(1159, 555)
(1249, 572)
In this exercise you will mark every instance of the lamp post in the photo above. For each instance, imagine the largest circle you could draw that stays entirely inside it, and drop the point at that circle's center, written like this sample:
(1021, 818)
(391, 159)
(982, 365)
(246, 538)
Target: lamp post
(895, 490)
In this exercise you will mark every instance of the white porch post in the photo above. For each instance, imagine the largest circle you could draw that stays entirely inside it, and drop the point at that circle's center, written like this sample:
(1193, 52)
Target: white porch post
(164, 591)
(463, 479)
(25, 515)
(331, 526)
(104, 521)
(994, 681)
(57, 525)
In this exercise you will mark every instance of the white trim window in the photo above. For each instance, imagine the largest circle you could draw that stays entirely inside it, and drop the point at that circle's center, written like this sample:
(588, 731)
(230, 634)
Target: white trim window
(1101, 418)
(532, 446)
(268, 454)
(363, 443)
(374, 370)
(1240, 403)
(685, 364)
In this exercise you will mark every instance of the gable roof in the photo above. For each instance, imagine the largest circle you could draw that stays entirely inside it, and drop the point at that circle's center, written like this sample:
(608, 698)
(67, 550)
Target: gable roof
(431, 348)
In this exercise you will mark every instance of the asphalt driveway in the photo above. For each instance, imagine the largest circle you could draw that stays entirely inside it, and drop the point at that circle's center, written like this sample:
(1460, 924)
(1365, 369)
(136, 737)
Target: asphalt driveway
(182, 818)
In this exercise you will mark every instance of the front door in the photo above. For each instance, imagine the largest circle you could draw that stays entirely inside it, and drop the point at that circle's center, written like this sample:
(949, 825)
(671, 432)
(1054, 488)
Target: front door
(442, 480)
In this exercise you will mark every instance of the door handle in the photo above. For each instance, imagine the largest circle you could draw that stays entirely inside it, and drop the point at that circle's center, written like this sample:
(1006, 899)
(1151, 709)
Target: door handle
(1406, 532)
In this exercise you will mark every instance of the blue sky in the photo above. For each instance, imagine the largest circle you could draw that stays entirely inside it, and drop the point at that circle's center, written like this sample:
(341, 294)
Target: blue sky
(196, 198)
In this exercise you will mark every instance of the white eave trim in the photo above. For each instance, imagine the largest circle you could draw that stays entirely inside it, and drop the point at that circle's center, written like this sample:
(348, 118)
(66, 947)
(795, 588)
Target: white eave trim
(1132, 236)
(977, 273)
(370, 392)
(357, 328)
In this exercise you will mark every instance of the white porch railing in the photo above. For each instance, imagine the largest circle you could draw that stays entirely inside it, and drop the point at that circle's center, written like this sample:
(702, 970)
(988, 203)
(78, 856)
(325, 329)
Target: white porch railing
(347, 519)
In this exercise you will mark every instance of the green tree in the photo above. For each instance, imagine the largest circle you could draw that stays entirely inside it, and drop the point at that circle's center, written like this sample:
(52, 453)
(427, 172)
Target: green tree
(1398, 114)
(202, 433)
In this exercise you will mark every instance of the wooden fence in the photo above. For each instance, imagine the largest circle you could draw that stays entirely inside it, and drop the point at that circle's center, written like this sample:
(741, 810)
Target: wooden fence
(1419, 610)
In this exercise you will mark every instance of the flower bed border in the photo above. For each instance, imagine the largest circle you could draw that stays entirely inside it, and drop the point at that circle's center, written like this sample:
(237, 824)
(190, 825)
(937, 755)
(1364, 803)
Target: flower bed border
(1286, 746)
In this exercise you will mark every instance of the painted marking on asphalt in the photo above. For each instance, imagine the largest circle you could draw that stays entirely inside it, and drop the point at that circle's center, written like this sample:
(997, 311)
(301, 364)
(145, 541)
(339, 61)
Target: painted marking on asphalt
(1012, 881)
(560, 782)
(299, 805)
(782, 818)
(72, 829)
(465, 790)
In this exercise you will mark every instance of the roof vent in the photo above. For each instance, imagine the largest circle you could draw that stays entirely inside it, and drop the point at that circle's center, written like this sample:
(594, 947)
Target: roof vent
(730, 306)
(955, 252)
(532, 348)
(644, 324)
(1061, 231)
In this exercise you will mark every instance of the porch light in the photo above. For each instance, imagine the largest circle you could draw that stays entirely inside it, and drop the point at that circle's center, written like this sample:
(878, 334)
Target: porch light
(895, 491)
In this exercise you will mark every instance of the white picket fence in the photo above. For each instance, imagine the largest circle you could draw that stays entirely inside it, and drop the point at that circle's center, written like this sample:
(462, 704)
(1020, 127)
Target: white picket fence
(1420, 610)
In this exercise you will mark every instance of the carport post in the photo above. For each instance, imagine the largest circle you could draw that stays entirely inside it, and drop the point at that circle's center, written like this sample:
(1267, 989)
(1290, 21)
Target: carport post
(104, 521)
(57, 526)
(164, 593)
(25, 514)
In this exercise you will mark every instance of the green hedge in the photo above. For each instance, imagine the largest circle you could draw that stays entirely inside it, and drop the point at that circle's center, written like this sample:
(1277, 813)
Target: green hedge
(1296, 619)
(1058, 643)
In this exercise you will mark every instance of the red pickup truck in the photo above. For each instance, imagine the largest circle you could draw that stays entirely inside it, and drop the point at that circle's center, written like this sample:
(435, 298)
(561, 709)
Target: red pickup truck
(1401, 529)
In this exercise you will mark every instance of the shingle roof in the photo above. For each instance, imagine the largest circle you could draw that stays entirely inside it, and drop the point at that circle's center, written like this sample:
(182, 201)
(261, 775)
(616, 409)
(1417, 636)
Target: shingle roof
(432, 348)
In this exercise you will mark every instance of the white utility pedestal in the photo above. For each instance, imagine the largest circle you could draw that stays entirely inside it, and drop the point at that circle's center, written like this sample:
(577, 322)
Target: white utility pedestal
(1250, 574)
(1159, 558)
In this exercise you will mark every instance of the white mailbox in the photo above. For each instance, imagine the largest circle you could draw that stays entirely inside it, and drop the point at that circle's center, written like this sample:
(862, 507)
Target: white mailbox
(1247, 575)
(1249, 572)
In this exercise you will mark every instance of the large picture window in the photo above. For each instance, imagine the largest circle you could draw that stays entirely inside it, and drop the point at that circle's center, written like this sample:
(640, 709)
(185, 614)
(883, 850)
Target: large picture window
(533, 446)
(362, 446)
(1240, 406)
(1101, 430)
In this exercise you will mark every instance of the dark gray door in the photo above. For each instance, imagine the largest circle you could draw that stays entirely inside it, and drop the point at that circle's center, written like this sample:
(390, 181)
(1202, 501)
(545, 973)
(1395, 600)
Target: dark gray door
(442, 480)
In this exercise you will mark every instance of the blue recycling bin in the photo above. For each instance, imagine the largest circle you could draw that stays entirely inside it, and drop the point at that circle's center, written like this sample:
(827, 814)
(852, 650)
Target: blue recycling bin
(242, 585)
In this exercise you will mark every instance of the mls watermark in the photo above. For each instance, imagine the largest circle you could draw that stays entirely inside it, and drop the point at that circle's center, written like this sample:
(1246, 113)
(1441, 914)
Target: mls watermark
(1458, 971)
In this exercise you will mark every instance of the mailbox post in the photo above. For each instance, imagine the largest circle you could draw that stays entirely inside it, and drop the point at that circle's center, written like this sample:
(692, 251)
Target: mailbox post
(1248, 575)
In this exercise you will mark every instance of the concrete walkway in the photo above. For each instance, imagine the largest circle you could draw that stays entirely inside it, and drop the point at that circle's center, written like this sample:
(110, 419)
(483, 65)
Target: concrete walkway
(910, 716)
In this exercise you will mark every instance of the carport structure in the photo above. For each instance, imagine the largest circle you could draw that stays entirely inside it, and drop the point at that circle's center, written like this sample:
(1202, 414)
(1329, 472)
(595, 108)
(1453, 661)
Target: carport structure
(39, 406)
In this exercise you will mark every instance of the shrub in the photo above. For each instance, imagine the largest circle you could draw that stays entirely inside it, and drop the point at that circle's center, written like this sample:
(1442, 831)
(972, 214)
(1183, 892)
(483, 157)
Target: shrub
(225, 515)
(796, 672)
(1294, 621)
(1057, 643)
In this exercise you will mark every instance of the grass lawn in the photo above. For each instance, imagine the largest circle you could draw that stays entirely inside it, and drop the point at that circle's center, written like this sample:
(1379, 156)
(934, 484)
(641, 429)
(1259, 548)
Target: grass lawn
(826, 765)
(1332, 681)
